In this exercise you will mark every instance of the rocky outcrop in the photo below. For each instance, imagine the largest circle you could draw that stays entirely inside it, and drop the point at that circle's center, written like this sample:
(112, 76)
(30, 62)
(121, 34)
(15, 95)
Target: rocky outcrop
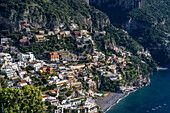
(117, 10)
(143, 81)
(109, 44)
(37, 15)
(132, 24)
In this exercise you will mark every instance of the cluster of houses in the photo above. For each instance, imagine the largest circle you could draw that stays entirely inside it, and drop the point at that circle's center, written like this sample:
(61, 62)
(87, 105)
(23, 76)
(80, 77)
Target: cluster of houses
(70, 76)
(14, 69)
(61, 31)
(62, 75)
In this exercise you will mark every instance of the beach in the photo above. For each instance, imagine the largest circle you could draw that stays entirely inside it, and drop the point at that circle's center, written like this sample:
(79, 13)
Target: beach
(106, 102)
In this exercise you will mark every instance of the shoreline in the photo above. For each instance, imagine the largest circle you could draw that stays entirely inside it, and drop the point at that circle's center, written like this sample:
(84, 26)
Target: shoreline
(106, 103)
(117, 101)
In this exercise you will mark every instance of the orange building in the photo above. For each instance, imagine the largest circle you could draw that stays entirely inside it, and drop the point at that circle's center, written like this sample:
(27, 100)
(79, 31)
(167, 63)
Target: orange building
(53, 56)
(40, 38)
(47, 69)
(77, 33)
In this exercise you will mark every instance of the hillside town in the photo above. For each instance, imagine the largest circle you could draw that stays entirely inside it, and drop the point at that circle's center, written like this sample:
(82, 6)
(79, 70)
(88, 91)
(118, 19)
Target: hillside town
(67, 80)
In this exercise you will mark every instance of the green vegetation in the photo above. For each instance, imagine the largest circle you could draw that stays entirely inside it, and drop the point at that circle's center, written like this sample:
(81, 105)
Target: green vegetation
(60, 98)
(49, 12)
(153, 13)
(108, 85)
(147, 24)
(55, 44)
(69, 93)
(48, 87)
(155, 16)
(120, 38)
(27, 99)
(3, 83)
(123, 39)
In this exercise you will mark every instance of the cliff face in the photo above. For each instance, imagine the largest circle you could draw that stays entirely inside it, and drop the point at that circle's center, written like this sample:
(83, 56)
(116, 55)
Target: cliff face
(117, 10)
(16, 14)
(126, 4)
(142, 81)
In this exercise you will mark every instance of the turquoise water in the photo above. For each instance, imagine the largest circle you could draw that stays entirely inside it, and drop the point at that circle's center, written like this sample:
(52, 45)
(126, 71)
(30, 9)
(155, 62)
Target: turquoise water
(151, 99)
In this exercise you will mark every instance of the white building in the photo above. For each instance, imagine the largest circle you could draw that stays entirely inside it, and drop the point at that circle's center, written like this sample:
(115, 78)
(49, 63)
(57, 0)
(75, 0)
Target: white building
(78, 66)
(21, 84)
(73, 26)
(54, 78)
(51, 33)
(14, 66)
(28, 79)
(10, 73)
(90, 106)
(22, 73)
(29, 56)
(5, 40)
(21, 64)
(36, 66)
(61, 68)
(79, 39)
(67, 33)
(5, 57)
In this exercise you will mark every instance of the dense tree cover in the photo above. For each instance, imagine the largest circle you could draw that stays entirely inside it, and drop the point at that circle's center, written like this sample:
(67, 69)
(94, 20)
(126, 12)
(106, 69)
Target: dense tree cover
(121, 38)
(116, 13)
(108, 85)
(50, 12)
(151, 22)
(28, 99)
(153, 12)
(155, 16)
(3, 83)
(55, 44)
(154, 40)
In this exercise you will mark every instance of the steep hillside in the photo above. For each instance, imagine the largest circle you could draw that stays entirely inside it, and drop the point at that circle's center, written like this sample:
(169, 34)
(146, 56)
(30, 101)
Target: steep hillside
(49, 13)
(151, 22)
(117, 9)
(146, 20)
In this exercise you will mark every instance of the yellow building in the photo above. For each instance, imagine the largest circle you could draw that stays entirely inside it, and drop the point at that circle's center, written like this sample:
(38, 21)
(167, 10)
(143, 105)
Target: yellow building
(62, 82)
(62, 34)
(88, 57)
(89, 37)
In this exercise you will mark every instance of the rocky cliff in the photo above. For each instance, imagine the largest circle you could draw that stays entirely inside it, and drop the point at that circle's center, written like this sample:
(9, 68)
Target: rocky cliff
(117, 10)
(49, 14)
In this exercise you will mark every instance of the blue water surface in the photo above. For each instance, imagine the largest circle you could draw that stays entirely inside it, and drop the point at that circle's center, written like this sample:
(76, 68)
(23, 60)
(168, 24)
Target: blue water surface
(150, 99)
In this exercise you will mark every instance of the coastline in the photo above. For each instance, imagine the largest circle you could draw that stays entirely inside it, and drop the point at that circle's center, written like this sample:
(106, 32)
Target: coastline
(106, 103)
(116, 102)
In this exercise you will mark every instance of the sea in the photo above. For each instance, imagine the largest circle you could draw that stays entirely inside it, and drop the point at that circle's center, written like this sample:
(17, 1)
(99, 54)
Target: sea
(150, 99)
